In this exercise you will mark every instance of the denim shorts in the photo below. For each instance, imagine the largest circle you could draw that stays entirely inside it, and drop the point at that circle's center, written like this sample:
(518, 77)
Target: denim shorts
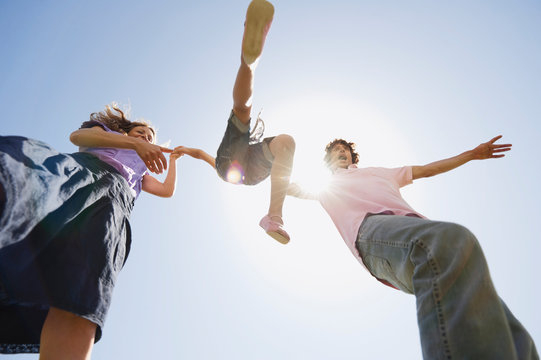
(240, 162)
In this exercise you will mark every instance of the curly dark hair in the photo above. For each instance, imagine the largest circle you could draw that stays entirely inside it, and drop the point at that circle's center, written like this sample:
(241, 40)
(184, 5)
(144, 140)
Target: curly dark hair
(116, 120)
(349, 145)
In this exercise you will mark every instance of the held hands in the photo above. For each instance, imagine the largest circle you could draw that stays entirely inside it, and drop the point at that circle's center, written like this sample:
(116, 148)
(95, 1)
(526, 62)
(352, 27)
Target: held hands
(490, 150)
(196, 154)
(175, 155)
(152, 155)
(183, 150)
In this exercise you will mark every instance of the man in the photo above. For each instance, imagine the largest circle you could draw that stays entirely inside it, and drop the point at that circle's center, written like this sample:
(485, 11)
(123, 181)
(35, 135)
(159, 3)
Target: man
(459, 313)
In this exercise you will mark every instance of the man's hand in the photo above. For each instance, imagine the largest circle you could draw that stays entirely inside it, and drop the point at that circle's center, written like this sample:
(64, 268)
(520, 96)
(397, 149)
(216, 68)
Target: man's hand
(293, 189)
(490, 150)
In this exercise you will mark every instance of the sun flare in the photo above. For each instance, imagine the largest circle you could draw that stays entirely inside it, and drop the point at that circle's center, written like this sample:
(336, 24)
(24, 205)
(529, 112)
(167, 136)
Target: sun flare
(297, 267)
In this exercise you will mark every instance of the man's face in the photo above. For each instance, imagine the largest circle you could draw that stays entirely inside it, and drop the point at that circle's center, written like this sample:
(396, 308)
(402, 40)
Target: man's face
(340, 157)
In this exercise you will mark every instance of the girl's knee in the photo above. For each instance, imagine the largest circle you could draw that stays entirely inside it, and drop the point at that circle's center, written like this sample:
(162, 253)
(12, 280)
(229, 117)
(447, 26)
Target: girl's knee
(283, 143)
(242, 112)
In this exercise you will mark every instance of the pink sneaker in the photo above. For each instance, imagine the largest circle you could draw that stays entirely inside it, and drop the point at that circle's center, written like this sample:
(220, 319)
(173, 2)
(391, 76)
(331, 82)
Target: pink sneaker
(274, 229)
(258, 21)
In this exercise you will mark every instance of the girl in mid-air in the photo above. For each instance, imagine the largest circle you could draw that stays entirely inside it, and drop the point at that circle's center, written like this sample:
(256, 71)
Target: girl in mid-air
(242, 158)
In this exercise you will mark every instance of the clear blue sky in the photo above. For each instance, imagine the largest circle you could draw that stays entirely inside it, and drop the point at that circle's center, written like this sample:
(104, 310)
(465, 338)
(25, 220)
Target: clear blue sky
(410, 82)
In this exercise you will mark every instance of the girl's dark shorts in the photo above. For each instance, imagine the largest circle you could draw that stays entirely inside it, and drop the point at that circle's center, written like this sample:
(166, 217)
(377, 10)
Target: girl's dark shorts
(240, 162)
(64, 237)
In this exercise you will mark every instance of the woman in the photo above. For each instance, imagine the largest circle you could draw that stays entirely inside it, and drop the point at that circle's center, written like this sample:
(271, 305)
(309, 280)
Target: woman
(64, 230)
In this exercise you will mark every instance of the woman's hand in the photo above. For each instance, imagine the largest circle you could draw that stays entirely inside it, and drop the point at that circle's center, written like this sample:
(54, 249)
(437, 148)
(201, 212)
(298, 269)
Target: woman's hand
(152, 155)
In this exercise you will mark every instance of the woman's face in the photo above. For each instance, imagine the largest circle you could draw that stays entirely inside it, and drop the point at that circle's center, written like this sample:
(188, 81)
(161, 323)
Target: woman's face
(142, 132)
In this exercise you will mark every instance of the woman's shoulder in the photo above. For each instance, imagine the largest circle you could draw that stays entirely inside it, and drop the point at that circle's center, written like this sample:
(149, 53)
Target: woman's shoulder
(95, 123)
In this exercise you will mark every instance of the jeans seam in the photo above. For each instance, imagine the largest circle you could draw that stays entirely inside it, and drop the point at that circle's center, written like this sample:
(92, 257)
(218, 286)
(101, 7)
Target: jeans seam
(436, 296)
(380, 242)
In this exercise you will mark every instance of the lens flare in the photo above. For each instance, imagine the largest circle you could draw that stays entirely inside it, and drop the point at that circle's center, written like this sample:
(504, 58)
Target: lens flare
(235, 173)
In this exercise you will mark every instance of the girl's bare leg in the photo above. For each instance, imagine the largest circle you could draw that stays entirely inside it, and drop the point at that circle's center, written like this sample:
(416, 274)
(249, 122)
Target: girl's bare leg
(242, 92)
(66, 336)
(283, 149)
(258, 21)
(257, 24)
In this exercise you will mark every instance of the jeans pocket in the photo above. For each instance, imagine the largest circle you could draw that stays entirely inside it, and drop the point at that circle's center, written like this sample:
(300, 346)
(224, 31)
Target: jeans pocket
(381, 269)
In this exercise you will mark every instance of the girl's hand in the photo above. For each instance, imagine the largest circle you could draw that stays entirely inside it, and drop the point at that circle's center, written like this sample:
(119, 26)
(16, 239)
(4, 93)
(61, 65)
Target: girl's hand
(195, 153)
(152, 155)
(175, 155)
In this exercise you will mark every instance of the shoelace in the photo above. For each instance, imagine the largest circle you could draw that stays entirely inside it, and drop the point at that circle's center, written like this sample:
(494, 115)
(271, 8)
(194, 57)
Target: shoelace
(258, 130)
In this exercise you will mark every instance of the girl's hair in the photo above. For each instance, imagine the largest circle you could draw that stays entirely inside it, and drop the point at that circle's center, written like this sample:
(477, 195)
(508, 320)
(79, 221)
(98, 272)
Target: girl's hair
(349, 145)
(116, 120)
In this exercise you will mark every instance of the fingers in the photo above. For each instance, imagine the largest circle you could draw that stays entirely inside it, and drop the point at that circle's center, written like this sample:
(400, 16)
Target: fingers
(494, 139)
(153, 156)
(156, 162)
(150, 166)
(177, 153)
(154, 166)
(502, 146)
(494, 150)
(163, 164)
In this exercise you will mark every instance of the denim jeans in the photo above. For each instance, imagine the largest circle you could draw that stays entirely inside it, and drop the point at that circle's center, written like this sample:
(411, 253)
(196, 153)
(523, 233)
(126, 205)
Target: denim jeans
(459, 313)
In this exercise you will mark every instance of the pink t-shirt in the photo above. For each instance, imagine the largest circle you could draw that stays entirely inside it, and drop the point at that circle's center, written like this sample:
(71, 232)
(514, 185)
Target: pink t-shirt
(354, 192)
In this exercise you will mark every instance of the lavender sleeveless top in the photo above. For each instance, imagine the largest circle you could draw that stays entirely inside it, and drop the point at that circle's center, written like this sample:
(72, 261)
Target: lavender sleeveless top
(126, 161)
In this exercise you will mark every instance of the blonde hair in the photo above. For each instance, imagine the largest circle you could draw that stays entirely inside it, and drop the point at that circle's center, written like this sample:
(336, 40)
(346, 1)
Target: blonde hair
(115, 119)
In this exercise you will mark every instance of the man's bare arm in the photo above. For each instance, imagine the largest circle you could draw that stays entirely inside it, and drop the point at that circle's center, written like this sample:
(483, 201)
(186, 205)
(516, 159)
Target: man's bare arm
(487, 150)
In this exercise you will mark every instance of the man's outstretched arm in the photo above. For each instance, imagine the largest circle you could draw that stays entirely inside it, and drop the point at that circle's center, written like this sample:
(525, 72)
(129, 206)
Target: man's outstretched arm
(297, 191)
(487, 150)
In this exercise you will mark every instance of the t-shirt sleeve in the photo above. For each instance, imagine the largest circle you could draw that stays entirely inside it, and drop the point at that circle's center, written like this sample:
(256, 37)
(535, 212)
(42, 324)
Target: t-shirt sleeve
(403, 175)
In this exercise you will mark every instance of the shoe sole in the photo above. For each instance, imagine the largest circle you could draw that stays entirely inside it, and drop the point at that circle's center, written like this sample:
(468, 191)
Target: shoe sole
(278, 237)
(258, 16)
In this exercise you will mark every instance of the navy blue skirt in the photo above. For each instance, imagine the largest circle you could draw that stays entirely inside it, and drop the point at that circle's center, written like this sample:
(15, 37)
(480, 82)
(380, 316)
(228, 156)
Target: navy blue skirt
(64, 237)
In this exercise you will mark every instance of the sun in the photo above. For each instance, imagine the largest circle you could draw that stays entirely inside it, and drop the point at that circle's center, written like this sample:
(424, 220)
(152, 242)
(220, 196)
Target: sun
(316, 264)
